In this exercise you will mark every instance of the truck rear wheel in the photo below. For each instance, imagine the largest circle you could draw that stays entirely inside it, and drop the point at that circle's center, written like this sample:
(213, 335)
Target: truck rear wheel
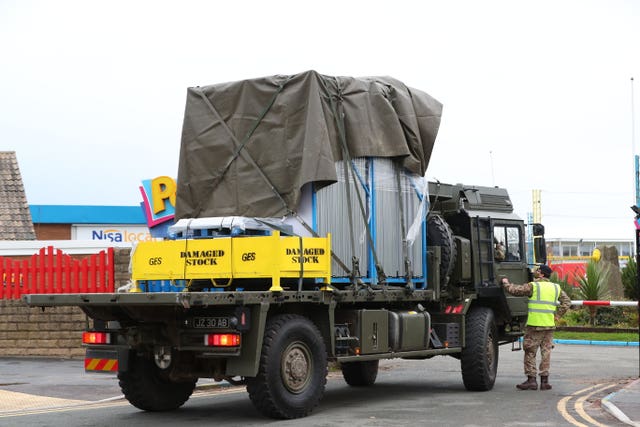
(146, 387)
(293, 368)
(360, 374)
(479, 358)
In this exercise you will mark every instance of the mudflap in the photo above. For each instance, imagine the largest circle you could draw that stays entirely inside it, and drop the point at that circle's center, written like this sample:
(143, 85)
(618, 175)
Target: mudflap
(106, 360)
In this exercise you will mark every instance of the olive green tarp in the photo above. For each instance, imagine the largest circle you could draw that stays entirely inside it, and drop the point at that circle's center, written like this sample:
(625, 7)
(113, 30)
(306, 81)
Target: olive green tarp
(248, 147)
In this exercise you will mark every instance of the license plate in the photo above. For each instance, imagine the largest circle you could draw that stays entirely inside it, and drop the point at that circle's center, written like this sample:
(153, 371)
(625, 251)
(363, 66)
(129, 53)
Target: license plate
(210, 322)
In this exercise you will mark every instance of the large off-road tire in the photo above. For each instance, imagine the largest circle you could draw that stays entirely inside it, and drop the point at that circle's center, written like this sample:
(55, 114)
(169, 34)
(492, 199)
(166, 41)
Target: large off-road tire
(293, 368)
(479, 359)
(360, 374)
(146, 387)
(439, 233)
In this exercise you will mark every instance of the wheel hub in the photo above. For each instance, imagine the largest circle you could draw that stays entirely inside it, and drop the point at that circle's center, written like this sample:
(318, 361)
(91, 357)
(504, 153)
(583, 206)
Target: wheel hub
(491, 355)
(296, 369)
(162, 357)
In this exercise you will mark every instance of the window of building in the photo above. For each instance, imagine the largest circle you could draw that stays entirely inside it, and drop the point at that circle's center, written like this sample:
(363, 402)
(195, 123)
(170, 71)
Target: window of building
(569, 250)
(624, 249)
(585, 249)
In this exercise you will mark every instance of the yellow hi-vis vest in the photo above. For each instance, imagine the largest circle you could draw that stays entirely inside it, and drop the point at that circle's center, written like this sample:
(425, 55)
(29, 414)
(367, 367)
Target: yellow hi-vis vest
(543, 303)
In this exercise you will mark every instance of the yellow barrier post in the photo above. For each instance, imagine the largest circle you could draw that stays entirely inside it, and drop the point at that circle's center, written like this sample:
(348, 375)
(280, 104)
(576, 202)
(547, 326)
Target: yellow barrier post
(275, 272)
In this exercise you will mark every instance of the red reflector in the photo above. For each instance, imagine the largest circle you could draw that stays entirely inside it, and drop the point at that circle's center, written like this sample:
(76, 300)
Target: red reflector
(454, 309)
(222, 340)
(96, 338)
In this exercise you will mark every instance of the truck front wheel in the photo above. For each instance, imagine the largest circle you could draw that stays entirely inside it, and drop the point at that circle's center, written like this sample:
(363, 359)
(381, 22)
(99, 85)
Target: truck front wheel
(146, 388)
(293, 368)
(360, 374)
(479, 360)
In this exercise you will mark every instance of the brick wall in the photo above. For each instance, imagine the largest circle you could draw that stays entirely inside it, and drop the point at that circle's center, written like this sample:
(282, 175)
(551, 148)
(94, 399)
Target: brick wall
(52, 231)
(54, 332)
(121, 259)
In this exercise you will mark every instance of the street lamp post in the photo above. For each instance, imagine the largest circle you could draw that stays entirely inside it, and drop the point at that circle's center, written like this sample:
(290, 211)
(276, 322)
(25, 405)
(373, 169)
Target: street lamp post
(636, 210)
(638, 287)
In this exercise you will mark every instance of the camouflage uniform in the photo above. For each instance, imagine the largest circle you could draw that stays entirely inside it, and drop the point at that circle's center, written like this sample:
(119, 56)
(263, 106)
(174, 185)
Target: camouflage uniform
(538, 336)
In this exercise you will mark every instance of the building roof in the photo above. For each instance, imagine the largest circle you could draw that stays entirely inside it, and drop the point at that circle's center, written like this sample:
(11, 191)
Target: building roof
(83, 214)
(15, 217)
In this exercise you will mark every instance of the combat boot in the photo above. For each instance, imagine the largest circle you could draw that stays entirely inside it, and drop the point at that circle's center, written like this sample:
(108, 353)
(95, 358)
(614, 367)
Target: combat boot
(544, 383)
(529, 384)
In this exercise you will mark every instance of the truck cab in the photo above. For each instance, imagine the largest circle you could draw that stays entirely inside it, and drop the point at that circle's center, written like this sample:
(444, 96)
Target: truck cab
(482, 240)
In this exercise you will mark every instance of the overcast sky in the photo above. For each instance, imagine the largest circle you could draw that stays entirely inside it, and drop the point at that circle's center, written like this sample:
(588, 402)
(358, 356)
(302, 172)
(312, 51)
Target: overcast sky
(537, 95)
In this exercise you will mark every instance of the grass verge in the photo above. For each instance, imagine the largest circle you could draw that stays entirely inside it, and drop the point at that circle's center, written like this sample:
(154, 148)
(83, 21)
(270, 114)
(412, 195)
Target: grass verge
(596, 336)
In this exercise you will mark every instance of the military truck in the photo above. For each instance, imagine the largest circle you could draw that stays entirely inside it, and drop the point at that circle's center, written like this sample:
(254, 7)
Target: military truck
(307, 234)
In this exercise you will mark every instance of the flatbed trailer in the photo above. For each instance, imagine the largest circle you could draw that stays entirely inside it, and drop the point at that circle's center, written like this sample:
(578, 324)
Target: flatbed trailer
(279, 343)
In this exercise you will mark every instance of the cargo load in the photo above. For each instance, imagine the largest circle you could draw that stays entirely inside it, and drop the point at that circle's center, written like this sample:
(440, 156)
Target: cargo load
(276, 146)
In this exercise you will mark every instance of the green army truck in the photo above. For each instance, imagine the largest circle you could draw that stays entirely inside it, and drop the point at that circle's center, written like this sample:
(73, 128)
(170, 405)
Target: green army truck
(306, 234)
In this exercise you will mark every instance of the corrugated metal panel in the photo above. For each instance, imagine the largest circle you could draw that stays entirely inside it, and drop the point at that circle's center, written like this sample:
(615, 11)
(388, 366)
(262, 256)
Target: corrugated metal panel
(389, 233)
(332, 217)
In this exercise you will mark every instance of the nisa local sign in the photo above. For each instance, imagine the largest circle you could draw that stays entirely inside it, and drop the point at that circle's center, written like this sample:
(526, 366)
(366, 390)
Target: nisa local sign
(119, 236)
(159, 199)
(111, 234)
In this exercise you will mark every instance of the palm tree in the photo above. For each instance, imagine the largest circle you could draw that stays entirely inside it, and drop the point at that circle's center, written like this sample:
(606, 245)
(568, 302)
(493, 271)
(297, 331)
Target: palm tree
(594, 286)
(567, 287)
(629, 277)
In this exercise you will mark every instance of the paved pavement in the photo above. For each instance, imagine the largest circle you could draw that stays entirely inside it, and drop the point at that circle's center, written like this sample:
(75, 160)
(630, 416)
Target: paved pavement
(28, 383)
(624, 404)
(35, 383)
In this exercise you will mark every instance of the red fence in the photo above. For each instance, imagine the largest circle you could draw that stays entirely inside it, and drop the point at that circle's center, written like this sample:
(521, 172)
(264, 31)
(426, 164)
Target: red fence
(53, 272)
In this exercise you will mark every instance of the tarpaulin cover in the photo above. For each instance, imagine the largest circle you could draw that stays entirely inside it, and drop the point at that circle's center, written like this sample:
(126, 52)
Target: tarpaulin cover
(248, 147)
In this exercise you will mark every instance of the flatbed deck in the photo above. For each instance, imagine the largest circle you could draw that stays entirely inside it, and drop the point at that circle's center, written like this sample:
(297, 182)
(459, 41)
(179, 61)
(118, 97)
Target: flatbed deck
(193, 299)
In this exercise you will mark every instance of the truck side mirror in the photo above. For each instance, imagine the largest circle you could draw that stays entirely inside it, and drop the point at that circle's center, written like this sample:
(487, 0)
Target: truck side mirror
(539, 244)
(539, 250)
(538, 230)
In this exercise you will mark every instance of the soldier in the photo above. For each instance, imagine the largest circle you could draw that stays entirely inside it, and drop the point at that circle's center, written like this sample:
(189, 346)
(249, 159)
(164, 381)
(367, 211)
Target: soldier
(543, 301)
(499, 250)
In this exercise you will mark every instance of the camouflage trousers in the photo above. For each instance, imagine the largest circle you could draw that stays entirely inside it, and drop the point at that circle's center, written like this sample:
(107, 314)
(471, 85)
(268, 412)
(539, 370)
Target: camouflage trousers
(533, 340)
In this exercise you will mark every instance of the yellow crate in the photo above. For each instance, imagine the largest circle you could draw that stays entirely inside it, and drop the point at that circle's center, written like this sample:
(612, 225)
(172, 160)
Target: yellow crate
(254, 256)
(182, 259)
(306, 256)
(272, 257)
